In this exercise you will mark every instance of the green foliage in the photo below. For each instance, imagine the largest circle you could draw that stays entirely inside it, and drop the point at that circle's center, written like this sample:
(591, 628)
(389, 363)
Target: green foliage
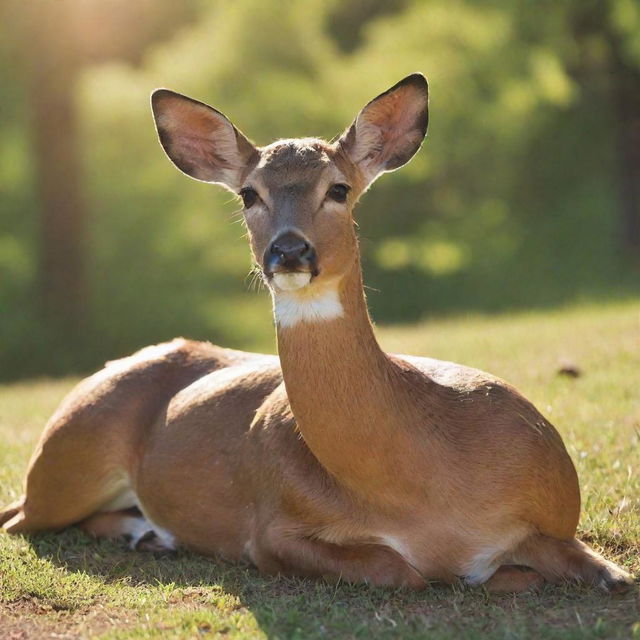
(513, 202)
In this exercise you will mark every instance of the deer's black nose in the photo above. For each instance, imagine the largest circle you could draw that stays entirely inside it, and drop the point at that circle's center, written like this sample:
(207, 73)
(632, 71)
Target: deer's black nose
(290, 246)
(290, 252)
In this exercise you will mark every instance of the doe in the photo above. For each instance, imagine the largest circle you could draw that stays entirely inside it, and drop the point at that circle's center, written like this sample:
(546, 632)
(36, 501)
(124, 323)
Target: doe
(334, 459)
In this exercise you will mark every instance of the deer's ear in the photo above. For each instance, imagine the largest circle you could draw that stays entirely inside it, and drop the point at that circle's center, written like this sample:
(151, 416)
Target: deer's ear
(201, 141)
(390, 129)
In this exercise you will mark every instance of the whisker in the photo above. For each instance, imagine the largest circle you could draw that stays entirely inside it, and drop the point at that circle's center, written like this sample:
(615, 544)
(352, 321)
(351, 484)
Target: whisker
(236, 214)
(256, 281)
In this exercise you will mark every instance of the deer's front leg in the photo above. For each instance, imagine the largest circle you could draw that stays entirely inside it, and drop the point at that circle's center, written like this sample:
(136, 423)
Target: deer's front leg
(280, 551)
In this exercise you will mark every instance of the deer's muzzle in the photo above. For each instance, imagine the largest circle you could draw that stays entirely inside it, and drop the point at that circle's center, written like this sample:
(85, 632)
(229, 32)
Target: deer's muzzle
(290, 252)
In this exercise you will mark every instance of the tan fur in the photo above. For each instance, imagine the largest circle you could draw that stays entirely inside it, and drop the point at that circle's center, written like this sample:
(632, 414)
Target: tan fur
(337, 460)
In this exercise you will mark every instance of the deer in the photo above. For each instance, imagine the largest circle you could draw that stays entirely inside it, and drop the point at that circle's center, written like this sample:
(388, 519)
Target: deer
(332, 459)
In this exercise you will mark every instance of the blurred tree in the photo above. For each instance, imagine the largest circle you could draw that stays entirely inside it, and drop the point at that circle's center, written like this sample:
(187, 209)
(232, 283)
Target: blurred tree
(515, 201)
(54, 63)
(346, 21)
(615, 26)
(57, 39)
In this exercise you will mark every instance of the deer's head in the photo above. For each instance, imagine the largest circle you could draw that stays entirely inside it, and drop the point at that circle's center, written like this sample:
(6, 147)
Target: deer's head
(299, 193)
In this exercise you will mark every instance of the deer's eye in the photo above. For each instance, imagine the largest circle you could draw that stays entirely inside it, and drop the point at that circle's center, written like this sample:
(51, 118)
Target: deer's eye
(338, 192)
(249, 197)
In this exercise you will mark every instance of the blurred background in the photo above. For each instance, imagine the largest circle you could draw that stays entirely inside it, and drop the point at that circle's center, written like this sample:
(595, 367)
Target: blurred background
(525, 195)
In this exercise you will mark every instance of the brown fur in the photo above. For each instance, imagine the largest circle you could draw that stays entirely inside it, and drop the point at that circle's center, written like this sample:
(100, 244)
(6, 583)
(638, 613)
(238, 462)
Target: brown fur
(338, 460)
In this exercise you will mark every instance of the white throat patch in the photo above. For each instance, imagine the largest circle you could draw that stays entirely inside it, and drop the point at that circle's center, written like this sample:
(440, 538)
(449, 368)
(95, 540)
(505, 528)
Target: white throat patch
(292, 307)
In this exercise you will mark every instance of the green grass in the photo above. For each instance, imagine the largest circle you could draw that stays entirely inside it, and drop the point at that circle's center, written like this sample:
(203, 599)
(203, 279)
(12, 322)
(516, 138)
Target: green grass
(68, 586)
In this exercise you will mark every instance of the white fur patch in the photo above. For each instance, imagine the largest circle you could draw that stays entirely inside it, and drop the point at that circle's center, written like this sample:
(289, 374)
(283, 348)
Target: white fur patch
(292, 280)
(290, 308)
(483, 565)
(166, 538)
(489, 557)
(137, 526)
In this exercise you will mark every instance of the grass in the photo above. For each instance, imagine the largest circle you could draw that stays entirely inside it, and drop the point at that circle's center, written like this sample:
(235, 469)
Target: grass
(68, 586)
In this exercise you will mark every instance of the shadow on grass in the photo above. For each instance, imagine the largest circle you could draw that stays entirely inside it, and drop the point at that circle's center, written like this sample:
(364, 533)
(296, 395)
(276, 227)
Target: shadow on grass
(286, 607)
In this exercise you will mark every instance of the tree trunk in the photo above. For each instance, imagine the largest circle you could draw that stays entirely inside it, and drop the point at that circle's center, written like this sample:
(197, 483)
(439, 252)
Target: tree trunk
(622, 82)
(626, 98)
(54, 72)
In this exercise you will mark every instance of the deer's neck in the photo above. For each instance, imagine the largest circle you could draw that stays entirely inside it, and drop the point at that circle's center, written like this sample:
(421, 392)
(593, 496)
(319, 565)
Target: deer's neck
(343, 389)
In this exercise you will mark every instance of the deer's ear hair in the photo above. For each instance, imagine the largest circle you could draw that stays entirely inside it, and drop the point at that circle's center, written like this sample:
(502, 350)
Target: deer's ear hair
(390, 129)
(201, 141)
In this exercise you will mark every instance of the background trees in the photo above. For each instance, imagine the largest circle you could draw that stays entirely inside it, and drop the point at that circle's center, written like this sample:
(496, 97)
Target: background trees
(526, 193)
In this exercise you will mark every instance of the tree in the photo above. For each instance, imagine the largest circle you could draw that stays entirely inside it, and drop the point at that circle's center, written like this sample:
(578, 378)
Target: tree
(58, 40)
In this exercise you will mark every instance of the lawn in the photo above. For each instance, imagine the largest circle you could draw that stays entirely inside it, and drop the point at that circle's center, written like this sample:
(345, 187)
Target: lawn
(69, 586)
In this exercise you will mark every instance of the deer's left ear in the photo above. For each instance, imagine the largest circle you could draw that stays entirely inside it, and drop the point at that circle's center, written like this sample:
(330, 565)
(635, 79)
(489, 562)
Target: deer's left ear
(390, 129)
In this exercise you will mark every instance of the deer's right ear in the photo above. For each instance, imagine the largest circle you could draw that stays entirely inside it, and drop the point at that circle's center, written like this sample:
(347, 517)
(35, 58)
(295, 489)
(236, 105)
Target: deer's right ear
(201, 141)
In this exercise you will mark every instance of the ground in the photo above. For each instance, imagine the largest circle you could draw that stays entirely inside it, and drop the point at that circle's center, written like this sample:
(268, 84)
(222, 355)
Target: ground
(68, 586)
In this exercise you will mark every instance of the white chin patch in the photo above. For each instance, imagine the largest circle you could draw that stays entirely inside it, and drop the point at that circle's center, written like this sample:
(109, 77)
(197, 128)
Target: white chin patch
(291, 281)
